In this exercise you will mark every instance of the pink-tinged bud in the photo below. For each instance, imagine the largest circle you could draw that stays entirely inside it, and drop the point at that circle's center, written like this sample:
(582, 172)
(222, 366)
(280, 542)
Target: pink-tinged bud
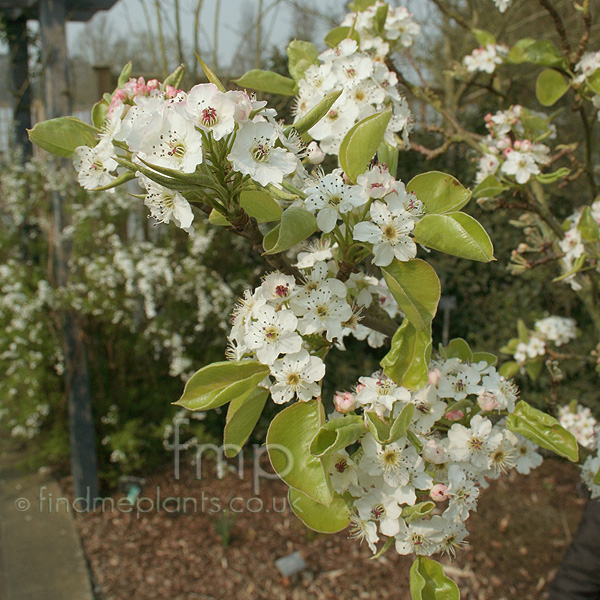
(522, 247)
(488, 117)
(517, 144)
(315, 154)
(507, 151)
(344, 402)
(487, 401)
(171, 91)
(153, 84)
(439, 492)
(434, 453)
(243, 105)
(454, 415)
(434, 377)
(526, 145)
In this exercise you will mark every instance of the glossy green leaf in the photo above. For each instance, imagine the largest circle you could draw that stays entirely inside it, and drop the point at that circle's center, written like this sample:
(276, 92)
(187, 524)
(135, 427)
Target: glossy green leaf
(517, 54)
(378, 427)
(489, 188)
(221, 382)
(483, 37)
(61, 136)
(439, 192)
(210, 75)
(543, 429)
(267, 81)
(242, 417)
(509, 369)
(418, 511)
(296, 225)
(301, 55)
(99, 113)
(288, 442)
(416, 288)
(588, 226)
(550, 87)
(488, 357)
(318, 517)
(544, 53)
(260, 205)
(315, 114)
(407, 362)
(428, 582)
(218, 219)
(337, 434)
(458, 348)
(388, 156)
(338, 34)
(456, 233)
(125, 75)
(401, 423)
(360, 143)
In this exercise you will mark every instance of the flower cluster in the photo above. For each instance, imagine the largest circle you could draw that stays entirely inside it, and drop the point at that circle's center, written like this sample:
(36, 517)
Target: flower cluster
(456, 440)
(502, 5)
(509, 149)
(485, 60)
(557, 330)
(579, 420)
(368, 87)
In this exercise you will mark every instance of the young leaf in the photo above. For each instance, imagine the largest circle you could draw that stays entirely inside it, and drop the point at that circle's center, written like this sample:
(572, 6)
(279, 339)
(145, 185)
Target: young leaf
(337, 434)
(455, 233)
(418, 511)
(260, 205)
(458, 348)
(401, 423)
(544, 53)
(296, 225)
(543, 429)
(301, 55)
(174, 79)
(388, 155)
(428, 582)
(380, 17)
(267, 81)
(550, 87)
(99, 113)
(210, 74)
(338, 34)
(125, 75)
(488, 188)
(588, 226)
(483, 37)
(361, 142)
(416, 288)
(61, 136)
(378, 427)
(407, 362)
(318, 517)
(221, 382)
(315, 114)
(242, 418)
(288, 440)
(488, 357)
(439, 192)
(509, 369)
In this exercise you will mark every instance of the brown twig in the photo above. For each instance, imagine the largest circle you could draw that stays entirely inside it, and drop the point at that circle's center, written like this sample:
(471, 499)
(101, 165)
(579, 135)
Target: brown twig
(452, 14)
(558, 25)
(585, 38)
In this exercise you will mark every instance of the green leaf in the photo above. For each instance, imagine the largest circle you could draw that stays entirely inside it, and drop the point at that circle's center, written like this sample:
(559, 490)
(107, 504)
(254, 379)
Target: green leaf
(550, 87)
(577, 265)
(174, 79)
(339, 34)
(407, 362)
(99, 113)
(296, 225)
(316, 113)
(401, 423)
(337, 434)
(242, 417)
(218, 219)
(288, 441)
(361, 142)
(588, 226)
(61, 136)
(456, 233)
(545, 53)
(388, 155)
(488, 357)
(221, 382)
(378, 427)
(379, 19)
(597, 478)
(489, 188)
(483, 37)
(210, 75)
(509, 369)
(416, 288)
(534, 368)
(121, 179)
(523, 332)
(458, 348)
(267, 81)
(316, 516)
(439, 192)
(260, 205)
(593, 81)
(428, 582)
(360, 5)
(543, 429)
(301, 55)
(418, 511)
(125, 75)
(517, 54)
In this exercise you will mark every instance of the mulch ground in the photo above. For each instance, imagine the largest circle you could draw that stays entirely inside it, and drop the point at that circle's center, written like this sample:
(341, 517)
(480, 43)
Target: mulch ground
(177, 549)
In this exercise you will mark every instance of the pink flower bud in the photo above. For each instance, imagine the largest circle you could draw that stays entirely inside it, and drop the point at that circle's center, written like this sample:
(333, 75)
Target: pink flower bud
(517, 145)
(439, 492)
(454, 415)
(153, 84)
(434, 453)
(434, 377)
(526, 145)
(344, 402)
(487, 401)
(171, 91)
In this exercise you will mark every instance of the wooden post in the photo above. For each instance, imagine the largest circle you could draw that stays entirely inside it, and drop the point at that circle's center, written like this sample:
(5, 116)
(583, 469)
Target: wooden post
(81, 425)
(16, 32)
